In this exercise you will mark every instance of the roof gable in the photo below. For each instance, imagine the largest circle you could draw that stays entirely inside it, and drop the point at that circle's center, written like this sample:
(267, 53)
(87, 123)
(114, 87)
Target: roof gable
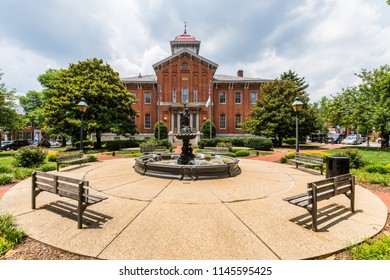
(179, 54)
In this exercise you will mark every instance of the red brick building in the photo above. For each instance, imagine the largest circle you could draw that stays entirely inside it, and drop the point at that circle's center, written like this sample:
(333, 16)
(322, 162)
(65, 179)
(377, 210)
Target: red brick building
(185, 77)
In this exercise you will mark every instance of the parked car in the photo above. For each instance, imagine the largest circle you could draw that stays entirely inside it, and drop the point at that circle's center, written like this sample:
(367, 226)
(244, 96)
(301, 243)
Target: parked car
(4, 142)
(54, 143)
(364, 137)
(352, 140)
(14, 145)
(41, 143)
(318, 137)
(335, 138)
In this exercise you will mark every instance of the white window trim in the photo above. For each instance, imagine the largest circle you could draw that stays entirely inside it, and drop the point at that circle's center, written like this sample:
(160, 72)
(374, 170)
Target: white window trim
(224, 93)
(150, 95)
(150, 121)
(235, 95)
(250, 97)
(222, 128)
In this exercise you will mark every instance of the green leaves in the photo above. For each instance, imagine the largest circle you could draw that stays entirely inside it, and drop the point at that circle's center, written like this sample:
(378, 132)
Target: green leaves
(9, 119)
(109, 102)
(365, 106)
(273, 116)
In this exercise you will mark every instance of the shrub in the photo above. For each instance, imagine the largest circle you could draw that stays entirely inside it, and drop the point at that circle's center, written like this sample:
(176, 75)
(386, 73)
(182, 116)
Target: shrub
(238, 141)
(91, 158)
(86, 143)
(356, 160)
(289, 141)
(5, 168)
(206, 142)
(116, 145)
(225, 145)
(377, 169)
(275, 142)
(51, 156)
(163, 130)
(242, 153)
(231, 154)
(164, 142)
(22, 172)
(205, 129)
(259, 144)
(372, 178)
(30, 157)
(50, 166)
(113, 145)
(9, 235)
(372, 249)
(5, 178)
(287, 157)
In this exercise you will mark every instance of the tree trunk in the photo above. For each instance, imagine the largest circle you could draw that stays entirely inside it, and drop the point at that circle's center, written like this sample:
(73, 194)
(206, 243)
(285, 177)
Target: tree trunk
(98, 141)
(63, 141)
(280, 140)
(384, 139)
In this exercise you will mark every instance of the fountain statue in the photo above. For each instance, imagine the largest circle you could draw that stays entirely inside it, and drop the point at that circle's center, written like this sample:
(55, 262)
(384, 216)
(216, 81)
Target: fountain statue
(187, 165)
(185, 134)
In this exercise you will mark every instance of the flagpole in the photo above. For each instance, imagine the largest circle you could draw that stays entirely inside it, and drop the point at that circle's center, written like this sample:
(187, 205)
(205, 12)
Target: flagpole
(158, 111)
(211, 114)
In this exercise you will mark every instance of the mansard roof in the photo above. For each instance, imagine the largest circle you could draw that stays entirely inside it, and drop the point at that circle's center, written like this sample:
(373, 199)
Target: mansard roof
(182, 53)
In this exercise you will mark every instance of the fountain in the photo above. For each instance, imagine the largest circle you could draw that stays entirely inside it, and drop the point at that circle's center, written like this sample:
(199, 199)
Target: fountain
(187, 166)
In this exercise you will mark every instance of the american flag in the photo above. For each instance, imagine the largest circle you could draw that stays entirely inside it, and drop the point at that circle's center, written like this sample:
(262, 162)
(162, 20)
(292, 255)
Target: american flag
(208, 100)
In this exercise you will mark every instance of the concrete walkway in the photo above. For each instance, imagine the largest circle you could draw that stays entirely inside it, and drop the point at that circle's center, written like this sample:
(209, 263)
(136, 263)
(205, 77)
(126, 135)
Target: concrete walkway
(147, 218)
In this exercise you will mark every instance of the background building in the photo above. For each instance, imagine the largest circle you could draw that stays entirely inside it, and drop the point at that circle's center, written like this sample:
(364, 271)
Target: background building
(185, 77)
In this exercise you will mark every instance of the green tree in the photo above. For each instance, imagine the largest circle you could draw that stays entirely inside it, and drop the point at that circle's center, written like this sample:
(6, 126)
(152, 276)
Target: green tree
(323, 108)
(205, 129)
(110, 104)
(365, 106)
(9, 119)
(32, 104)
(163, 130)
(293, 77)
(273, 116)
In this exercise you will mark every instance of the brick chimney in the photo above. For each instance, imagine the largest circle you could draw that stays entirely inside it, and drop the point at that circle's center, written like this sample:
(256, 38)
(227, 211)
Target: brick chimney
(240, 73)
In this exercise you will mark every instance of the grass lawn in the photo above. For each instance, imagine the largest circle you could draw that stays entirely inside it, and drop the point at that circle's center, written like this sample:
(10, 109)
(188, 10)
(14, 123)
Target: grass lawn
(375, 167)
(374, 156)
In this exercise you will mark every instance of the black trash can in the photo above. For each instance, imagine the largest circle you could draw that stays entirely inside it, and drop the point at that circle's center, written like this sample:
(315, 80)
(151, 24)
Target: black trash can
(336, 166)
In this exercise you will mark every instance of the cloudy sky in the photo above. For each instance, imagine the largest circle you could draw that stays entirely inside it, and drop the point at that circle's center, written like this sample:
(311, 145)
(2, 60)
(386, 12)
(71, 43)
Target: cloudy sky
(325, 41)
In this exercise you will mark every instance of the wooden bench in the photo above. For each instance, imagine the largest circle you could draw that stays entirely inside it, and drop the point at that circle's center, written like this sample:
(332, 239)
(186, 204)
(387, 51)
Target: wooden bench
(310, 160)
(217, 150)
(324, 189)
(149, 149)
(65, 187)
(69, 157)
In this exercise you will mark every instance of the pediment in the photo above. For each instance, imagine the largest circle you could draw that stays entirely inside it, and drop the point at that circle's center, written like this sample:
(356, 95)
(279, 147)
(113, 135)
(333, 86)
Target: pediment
(179, 55)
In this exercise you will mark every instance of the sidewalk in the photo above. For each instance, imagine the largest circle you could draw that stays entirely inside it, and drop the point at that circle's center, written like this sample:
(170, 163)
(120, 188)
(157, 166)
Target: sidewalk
(242, 217)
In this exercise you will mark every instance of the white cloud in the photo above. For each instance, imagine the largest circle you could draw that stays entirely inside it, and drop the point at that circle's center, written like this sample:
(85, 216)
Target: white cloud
(325, 41)
(21, 67)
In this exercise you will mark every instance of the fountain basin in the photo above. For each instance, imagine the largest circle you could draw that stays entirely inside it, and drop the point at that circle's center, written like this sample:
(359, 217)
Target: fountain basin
(202, 167)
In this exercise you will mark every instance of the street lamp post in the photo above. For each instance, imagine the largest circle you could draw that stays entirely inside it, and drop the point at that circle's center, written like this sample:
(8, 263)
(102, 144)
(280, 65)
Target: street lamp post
(82, 107)
(297, 106)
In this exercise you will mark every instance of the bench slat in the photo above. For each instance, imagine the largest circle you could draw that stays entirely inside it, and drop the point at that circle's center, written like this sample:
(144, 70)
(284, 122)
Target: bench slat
(72, 188)
(324, 189)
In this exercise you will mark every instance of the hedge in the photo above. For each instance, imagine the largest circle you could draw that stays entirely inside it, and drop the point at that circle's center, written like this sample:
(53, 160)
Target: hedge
(113, 145)
(257, 143)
